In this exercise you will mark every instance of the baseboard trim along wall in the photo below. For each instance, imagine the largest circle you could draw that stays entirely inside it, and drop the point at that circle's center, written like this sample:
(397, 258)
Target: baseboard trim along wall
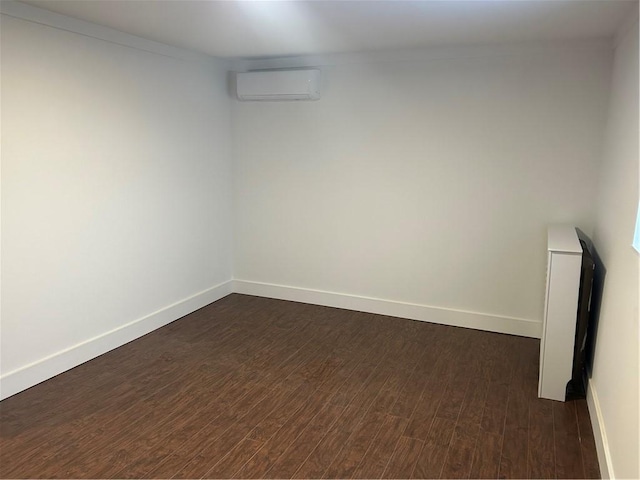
(444, 316)
(599, 433)
(30, 375)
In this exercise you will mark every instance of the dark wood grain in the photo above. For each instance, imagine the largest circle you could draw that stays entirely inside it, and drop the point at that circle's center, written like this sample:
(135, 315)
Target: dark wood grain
(515, 450)
(569, 462)
(542, 457)
(262, 461)
(375, 460)
(486, 457)
(250, 387)
(434, 452)
(315, 465)
(459, 458)
(404, 458)
(587, 441)
(287, 464)
(427, 406)
(460, 454)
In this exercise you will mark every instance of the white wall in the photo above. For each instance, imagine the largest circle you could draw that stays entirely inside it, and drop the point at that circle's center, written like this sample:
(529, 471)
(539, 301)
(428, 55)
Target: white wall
(116, 197)
(426, 181)
(614, 383)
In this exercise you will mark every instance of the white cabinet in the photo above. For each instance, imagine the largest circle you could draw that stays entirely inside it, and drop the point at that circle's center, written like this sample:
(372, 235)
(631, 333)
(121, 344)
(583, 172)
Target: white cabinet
(560, 311)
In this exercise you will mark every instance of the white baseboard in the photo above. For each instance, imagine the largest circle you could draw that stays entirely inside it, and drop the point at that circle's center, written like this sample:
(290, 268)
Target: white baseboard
(445, 316)
(599, 433)
(41, 370)
(30, 375)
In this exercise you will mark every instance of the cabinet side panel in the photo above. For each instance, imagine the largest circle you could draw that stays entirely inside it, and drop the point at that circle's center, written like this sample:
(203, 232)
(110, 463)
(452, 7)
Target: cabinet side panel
(560, 324)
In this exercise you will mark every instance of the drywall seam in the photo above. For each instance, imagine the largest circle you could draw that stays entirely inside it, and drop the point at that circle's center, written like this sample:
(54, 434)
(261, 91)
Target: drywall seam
(43, 369)
(599, 433)
(444, 316)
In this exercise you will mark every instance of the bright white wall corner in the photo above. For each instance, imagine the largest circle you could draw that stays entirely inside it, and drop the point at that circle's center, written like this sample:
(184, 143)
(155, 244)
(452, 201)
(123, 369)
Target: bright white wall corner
(116, 192)
(613, 400)
(426, 179)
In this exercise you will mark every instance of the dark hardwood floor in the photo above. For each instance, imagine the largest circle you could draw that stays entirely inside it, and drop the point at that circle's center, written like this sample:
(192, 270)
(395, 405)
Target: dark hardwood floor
(257, 388)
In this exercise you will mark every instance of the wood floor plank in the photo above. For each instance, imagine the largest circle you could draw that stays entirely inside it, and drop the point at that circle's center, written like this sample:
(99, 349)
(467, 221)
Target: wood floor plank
(433, 455)
(376, 458)
(75, 449)
(515, 450)
(262, 461)
(427, 407)
(181, 432)
(268, 425)
(411, 393)
(145, 440)
(323, 454)
(216, 446)
(495, 409)
(454, 394)
(46, 398)
(353, 353)
(347, 461)
(354, 382)
(289, 461)
(542, 456)
(234, 459)
(473, 404)
(238, 398)
(218, 442)
(587, 441)
(110, 452)
(486, 457)
(333, 442)
(404, 458)
(60, 415)
(356, 446)
(460, 454)
(569, 462)
(256, 387)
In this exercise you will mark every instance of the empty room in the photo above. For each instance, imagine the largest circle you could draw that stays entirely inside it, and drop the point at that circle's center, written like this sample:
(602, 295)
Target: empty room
(319, 239)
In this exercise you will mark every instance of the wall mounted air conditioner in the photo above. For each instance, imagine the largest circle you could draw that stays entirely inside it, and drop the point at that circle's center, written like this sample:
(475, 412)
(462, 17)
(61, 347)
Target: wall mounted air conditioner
(278, 85)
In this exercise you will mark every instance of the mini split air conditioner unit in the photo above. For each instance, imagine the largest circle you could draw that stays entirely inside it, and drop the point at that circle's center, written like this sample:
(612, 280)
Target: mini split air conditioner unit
(278, 85)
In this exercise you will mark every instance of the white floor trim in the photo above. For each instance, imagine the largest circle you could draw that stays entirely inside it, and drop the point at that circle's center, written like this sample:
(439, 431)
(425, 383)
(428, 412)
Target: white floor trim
(599, 433)
(445, 316)
(30, 375)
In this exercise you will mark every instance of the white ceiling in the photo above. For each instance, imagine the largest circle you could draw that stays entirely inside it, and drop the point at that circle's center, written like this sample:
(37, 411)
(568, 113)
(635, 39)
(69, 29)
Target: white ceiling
(250, 29)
